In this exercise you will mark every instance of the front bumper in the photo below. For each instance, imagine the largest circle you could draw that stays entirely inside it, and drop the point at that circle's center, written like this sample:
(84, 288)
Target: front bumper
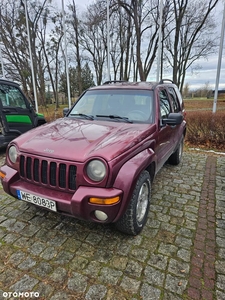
(74, 204)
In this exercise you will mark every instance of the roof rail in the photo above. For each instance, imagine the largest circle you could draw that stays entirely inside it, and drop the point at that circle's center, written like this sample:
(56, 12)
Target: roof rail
(163, 80)
(114, 81)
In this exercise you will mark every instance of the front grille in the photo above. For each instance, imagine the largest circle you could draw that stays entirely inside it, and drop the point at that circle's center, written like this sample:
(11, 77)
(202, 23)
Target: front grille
(51, 173)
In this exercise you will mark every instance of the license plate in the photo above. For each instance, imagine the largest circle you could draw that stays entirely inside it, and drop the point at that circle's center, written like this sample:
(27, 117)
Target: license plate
(37, 200)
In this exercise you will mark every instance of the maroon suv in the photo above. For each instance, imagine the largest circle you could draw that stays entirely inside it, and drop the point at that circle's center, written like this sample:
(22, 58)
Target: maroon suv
(97, 163)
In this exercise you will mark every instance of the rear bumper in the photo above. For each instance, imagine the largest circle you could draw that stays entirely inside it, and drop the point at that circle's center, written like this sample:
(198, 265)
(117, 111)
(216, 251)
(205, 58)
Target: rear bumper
(74, 204)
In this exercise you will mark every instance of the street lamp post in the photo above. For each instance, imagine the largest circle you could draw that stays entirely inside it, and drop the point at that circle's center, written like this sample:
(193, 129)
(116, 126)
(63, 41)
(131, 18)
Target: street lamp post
(66, 57)
(31, 57)
(108, 58)
(219, 62)
(2, 62)
(160, 40)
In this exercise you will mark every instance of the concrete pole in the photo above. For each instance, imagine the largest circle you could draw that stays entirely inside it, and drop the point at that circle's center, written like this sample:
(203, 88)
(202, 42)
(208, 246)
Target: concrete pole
(160, 41)
(31, 58)
(108, 50)
(219, 62)
(66, 57)
(2, 62)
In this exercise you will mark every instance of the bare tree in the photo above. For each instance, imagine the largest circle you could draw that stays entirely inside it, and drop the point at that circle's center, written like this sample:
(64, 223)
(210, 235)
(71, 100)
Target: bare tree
(186, 90)
(186, 30)
(51, 51)
(93, 38)
(13, 37)
(15, 50)
(188, 35)
(121, 43)
(75, 41)
(205, 89)
(144, 16)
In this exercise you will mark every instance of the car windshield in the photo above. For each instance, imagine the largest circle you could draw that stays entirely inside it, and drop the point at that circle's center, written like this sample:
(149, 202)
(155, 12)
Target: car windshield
(115, 105)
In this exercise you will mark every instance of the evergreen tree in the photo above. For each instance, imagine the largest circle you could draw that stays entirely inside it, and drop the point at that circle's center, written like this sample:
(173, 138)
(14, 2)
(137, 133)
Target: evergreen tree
(87, 80)
(87, 77)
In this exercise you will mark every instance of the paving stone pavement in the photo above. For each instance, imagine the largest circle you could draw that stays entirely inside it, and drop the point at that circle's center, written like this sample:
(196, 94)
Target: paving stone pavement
(180, 254)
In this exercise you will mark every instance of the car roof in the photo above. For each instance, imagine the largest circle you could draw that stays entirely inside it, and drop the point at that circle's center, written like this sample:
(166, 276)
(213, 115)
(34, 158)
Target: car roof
(7, 81)
(143, 85)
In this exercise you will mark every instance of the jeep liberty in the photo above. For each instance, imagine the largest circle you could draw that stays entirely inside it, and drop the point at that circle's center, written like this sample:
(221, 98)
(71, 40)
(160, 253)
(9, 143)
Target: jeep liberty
(99, 161)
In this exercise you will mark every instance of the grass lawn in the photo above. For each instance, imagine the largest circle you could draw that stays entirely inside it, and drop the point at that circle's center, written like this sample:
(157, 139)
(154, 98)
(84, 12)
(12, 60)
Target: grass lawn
(51, 112)
(203, 104)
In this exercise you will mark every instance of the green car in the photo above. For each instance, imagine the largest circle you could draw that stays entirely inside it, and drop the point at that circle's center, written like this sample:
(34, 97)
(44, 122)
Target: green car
(17, 114)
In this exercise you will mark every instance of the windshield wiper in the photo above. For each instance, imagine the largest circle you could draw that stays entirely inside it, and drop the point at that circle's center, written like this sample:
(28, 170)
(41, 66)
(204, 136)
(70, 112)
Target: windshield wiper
(115, 117)
(89, 117)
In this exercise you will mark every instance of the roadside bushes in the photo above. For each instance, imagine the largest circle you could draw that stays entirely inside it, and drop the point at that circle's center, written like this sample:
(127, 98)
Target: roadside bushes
(206, 129)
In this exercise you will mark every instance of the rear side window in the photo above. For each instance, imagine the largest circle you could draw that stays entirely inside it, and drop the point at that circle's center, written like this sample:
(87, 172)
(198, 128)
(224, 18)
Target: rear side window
(165, 108)
(175, 100)
(179, 97)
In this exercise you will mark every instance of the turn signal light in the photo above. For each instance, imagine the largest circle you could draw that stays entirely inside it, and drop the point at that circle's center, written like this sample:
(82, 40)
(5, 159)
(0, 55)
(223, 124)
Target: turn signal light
(2, 175)
(104, 201)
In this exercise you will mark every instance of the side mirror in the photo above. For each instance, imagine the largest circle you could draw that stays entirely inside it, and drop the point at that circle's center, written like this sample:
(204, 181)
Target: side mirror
(65, 111)
(173, 119)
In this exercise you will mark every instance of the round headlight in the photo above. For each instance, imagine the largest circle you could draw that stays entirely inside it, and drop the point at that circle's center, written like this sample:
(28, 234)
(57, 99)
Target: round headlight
(13, 154)
(96, 170)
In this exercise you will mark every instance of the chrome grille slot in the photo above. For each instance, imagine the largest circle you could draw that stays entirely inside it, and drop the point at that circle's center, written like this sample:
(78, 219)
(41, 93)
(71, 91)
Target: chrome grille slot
(45, 172)
(72, 177)
(62, 175)
(22, 163)
(36, 170)
(53, 173)
(28, 168)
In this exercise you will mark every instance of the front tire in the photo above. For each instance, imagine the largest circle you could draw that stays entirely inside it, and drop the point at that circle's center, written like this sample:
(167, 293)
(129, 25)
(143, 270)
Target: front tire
(135, 217)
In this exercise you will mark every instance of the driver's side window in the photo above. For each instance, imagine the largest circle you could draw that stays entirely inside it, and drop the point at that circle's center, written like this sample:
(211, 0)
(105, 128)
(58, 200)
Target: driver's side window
(165, 108)
(11, 97)
(3, 99)
(16, 99)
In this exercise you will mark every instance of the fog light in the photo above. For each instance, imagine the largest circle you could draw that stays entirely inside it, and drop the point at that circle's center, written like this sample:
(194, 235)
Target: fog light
(100, 215)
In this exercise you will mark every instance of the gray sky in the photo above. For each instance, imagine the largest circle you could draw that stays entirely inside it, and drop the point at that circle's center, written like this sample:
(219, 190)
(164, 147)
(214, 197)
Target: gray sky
(208, 71)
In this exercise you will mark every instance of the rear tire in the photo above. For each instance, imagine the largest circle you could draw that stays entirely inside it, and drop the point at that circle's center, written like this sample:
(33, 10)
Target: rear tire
(176, 157)
(135, 217)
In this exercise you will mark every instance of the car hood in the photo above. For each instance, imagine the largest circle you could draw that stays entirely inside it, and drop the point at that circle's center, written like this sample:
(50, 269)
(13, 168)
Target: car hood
(77, 139)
